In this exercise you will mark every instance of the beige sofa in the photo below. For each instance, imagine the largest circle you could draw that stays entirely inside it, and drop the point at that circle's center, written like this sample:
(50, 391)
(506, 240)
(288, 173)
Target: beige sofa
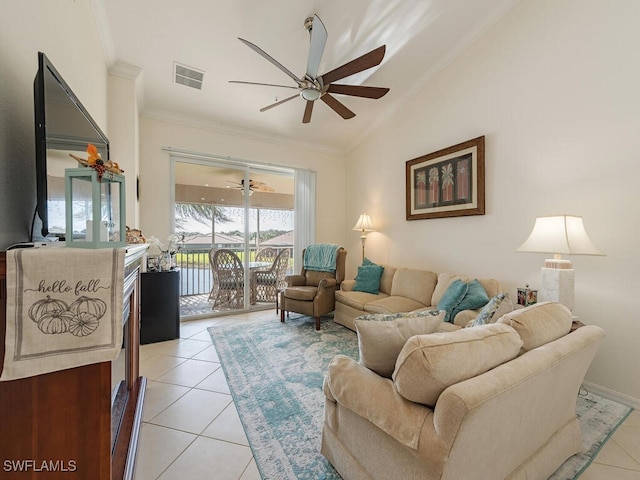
(403, 290)
(514, 420)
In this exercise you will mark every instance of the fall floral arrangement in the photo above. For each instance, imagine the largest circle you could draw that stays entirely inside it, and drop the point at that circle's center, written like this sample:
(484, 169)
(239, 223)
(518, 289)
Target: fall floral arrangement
(95, 161)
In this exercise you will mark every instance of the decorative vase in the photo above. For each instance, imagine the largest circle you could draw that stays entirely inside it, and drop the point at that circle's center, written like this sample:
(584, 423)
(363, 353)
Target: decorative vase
(165, 261)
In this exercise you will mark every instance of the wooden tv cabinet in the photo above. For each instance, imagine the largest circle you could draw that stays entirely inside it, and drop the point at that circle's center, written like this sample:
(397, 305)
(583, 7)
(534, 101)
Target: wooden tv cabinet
(74, 424)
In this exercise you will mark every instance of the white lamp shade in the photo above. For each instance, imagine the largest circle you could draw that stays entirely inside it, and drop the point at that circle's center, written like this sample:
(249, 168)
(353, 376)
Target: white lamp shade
(364, 224)
(562, 234)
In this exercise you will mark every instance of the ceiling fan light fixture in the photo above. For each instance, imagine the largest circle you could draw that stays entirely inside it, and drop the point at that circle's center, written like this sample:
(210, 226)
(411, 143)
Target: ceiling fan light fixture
(313, 86)
(310, 94)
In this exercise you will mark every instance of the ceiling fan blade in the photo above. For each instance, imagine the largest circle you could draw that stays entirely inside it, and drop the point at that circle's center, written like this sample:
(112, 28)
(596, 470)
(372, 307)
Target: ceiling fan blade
(270, 59)
(358, 90)
(337, 106)
(318, 40)
(308, 109)
(260, 187)
(368, 60)
(264, 109)
(262, 84)
(253, 185)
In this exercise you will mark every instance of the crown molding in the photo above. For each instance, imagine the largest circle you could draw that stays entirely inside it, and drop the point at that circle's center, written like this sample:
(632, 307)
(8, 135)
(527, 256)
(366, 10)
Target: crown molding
(237, 131)
(125, 70)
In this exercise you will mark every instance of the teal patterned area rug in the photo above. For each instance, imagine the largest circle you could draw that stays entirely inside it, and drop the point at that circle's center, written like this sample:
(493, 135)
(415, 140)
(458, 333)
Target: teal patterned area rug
(275, 372)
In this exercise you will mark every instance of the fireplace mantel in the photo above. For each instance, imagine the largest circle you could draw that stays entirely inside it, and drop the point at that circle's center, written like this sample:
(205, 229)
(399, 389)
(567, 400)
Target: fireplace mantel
(73, 423)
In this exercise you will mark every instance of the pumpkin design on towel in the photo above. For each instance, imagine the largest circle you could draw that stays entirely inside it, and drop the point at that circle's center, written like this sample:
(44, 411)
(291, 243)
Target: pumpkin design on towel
(41, 307)
(81, 318)
(55, 321)
(83, 324)
(95, 306)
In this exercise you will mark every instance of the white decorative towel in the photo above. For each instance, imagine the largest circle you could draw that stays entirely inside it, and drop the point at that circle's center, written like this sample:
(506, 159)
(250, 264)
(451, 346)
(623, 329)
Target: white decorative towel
(64, 309)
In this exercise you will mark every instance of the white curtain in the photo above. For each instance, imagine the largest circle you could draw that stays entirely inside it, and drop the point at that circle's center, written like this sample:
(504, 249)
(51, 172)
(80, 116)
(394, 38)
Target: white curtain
(305, 213)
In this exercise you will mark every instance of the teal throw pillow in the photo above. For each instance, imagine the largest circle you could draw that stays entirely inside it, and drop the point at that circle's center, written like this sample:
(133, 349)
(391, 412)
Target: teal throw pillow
(476, 297)
(452, 297)
(368, 278)
(366, 261)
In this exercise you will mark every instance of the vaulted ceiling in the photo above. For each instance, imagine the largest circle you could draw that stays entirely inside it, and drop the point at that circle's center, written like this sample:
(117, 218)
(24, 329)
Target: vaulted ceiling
(421, 36)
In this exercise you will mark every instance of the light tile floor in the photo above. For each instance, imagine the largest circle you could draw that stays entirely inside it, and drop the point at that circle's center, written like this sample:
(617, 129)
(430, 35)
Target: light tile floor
(191, 429)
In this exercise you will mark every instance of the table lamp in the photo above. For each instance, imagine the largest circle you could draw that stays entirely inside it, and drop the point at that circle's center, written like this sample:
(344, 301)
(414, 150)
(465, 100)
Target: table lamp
(562, 234)
(364, 225)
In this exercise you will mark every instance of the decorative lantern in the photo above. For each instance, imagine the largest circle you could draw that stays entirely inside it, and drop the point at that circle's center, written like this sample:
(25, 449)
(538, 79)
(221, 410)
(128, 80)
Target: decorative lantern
(95, 208)
(527, 296)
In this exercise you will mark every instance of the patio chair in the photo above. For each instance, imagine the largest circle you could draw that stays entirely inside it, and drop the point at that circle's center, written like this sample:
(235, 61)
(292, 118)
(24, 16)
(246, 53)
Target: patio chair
(269, 282)
(267, 254)
(312, 292)
(228, 279)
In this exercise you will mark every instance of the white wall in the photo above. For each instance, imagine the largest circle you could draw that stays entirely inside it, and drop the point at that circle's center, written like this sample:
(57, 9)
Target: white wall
(65, 31)
(155, 181)
(554, 88)
(124, 132)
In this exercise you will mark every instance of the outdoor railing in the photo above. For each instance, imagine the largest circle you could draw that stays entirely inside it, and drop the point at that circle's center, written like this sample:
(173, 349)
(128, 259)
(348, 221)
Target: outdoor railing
(195, 270)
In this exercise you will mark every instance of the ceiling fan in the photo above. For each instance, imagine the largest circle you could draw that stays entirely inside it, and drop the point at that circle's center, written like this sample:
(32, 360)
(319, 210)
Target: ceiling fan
(313, 86)
(254, 186)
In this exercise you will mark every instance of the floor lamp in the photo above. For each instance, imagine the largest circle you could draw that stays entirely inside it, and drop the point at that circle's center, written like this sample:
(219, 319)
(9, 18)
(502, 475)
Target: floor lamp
(562, 234)
(363, 225)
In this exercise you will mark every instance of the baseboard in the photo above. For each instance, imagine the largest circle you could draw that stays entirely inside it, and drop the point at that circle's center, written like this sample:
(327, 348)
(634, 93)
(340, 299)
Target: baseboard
(613, 395)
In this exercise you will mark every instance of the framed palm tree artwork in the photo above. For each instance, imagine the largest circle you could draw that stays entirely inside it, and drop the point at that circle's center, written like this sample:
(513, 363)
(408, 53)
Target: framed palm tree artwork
(446, 183)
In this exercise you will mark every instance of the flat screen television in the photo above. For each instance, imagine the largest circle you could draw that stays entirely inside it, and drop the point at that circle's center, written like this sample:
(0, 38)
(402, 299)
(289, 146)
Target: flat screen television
(62, 126)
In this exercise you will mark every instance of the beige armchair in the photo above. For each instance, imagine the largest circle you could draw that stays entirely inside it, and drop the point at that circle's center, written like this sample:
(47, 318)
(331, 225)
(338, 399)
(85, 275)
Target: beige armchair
(479, 414)
(313, 292)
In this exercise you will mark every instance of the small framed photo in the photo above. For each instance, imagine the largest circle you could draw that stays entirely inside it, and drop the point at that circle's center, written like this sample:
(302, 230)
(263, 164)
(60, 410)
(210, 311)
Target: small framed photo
(527, 296)
(153, 263)
(446, 183)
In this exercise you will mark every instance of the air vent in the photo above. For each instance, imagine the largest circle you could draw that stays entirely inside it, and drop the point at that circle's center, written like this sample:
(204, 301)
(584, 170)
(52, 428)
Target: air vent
(187, 76)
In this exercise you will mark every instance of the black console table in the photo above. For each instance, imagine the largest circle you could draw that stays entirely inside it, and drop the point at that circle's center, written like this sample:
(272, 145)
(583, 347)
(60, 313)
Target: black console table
(159, 306)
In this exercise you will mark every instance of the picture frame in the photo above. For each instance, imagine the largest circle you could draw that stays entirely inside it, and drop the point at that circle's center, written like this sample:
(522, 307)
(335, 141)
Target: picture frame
(527, 296)
(446, 183)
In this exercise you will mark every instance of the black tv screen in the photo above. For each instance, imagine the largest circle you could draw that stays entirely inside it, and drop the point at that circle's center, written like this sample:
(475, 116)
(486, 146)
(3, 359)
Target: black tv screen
(62, 126)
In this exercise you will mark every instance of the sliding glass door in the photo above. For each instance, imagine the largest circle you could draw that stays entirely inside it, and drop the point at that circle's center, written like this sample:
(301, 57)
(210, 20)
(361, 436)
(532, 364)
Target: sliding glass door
(225, 214)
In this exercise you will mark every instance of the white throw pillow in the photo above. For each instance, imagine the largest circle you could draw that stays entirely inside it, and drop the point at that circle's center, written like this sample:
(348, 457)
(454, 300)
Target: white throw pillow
(539, 324)
(498, 306)
(428, 364)
(381, 337)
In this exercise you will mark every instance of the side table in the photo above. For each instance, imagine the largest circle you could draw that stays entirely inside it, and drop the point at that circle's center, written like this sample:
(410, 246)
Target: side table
(576, 324)
(159, 306)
